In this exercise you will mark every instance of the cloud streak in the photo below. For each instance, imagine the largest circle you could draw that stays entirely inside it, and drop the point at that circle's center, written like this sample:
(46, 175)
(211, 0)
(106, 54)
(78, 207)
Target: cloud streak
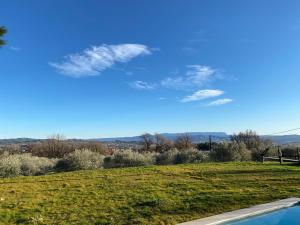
(14, 48)
(141, 85)
(196, 76)
(94, 60)
(220, 102)
(189, 51)
(202, 94)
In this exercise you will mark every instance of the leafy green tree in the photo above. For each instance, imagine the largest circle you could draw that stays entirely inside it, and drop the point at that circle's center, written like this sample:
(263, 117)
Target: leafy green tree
(2, 32)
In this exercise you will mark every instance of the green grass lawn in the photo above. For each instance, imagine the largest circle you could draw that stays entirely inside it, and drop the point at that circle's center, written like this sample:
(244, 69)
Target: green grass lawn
(144, 195)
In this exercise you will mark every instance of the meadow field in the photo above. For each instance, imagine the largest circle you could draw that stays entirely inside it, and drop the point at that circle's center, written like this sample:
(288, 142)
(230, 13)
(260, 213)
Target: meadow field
(144, 195)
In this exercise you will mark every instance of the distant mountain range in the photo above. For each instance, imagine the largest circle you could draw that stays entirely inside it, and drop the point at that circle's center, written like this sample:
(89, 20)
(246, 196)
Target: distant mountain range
(196, 137)
(284, 139)
(17, 141)
(204, 136)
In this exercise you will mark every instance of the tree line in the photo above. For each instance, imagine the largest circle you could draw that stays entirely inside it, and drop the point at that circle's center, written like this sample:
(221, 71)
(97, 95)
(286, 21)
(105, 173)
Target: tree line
(243, 146)
(159, 143)
(57, 154)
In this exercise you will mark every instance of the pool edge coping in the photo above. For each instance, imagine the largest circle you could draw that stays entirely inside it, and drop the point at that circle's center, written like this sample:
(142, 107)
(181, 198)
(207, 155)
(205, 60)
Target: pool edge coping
(244, 213)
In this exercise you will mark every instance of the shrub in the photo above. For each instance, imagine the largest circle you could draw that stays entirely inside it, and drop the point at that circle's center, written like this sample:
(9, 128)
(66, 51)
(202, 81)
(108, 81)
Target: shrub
(178, 157)
(33, 165)
(83, 159)
(166, 158)
(258, 153)
(25, 164)
(234, 151)
(272, 151)
(128, 158)
(50, 148)
(289, 151)
(205, 146)
(9, 166)
(94, 146)
(57, 147)
(189, 156)
(162, 144)
(265, 148)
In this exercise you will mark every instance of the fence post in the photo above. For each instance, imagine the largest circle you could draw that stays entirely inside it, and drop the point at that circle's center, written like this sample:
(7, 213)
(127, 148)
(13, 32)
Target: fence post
(280, 155)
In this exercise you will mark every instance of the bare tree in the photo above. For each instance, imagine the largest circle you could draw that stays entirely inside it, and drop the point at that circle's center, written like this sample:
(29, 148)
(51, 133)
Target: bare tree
(183, 142)
(55, 143)
(162, 144)
(249, 138)
(258, 146)
(54, 147)
(147, 141)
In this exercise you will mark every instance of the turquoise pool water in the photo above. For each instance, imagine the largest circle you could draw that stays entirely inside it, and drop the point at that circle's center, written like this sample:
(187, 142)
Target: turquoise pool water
(287, 216)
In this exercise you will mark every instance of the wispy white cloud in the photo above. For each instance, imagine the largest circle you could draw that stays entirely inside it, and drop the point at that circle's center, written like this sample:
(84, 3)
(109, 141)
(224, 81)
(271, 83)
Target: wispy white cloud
(199, 39)
(189, 51)
(14, 48)
(196, 76)
(141, 68)
(129, 73)
(94, 60)
(173, 82)
(202, 94)
(198, 36)
(220, 102)
(141, 85)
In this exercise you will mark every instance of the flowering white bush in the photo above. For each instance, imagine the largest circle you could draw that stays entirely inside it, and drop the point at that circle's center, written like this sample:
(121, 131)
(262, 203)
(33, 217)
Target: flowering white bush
(25, 164)
(83, 159)
(128, 158)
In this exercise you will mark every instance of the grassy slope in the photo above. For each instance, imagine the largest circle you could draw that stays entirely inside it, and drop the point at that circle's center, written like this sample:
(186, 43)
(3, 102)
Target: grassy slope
(145, 195)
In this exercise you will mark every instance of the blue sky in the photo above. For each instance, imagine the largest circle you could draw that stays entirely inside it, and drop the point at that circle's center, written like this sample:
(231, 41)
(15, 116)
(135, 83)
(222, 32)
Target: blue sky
(116, 68)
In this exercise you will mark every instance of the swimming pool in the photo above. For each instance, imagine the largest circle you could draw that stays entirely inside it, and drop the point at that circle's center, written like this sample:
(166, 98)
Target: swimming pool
(285, 216)
(280, 212)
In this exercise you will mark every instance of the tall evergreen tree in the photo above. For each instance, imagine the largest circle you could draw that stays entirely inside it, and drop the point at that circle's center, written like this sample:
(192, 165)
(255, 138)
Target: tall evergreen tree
(2, 32)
